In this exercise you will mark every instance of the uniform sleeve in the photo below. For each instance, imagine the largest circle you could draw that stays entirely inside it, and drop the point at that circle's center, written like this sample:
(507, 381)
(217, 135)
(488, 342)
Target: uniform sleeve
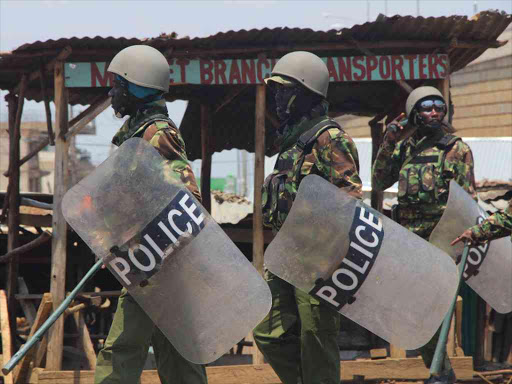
(386, 167)
(335, 157)
(169, 143)
(496, 226)
(459, 165)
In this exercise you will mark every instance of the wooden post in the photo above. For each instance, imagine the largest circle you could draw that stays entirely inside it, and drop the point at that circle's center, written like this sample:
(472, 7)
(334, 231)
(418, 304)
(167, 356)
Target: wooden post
(58, 269)
(84, 339)
(376, 129)
(206, 162)
(259, 174)
(5, 332)
(13, 220)
(46, 101)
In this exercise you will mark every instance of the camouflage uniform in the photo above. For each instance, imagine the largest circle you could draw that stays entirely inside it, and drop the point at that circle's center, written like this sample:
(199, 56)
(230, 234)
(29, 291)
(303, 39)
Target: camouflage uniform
(423, 167)
(122, 359)
(298, 336)
(495, 226)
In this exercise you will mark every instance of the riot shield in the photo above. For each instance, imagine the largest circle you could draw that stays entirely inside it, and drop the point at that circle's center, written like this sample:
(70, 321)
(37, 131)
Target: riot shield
(489, 267)
(364, 265)
(165, 248)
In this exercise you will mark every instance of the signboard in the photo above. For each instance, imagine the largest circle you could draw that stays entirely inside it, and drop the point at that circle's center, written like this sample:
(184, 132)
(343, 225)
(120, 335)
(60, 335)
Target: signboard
(253, 71)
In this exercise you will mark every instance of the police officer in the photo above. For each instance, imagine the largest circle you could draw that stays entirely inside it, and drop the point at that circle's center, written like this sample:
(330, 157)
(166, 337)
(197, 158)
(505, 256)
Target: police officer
(141, 78)
(496, 226)
(423, 156)
(298, 336)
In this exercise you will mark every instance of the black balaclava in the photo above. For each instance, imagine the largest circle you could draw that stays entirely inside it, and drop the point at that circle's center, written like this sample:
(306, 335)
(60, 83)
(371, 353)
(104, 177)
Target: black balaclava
(294, 102)
(124, 102)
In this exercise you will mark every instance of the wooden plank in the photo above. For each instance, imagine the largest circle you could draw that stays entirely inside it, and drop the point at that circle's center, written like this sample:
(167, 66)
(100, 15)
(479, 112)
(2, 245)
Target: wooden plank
(28, 307)
(206, 156)
(396, 352)
(380, 353)
(5, 331)
(479, 88)
(450, 341)
(58, 269)
(458, 325)
(45, 308)
(487, 98)
(386, 369)
(259, 175)
(84, 339)
(89, 115)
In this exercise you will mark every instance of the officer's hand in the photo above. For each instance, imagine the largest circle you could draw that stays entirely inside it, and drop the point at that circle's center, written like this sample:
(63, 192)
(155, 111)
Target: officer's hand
(395, 132)
(466, 235)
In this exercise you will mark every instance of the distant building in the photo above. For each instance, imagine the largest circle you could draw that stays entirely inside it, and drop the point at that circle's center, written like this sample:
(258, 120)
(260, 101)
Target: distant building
(36, 174)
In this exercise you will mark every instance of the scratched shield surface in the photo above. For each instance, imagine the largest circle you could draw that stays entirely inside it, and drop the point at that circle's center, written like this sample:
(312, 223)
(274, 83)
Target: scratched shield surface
(489, 266)
(364, 265)
(164, 247)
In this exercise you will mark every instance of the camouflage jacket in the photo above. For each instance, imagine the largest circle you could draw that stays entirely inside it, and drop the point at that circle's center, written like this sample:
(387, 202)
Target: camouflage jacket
(333, 156)
(423, 168)
(164, 136)
(495, 226)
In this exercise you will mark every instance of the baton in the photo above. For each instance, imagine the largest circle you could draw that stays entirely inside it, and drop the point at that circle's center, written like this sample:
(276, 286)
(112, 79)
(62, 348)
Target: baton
(435, 367)
(48, 323)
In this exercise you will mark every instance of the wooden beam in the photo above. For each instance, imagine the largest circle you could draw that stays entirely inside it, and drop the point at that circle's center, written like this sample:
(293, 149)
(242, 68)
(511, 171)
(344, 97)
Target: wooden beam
(377, 133)
(36, 296)
(43, 238)
(88, 115)
(13, 218)
(5, 332)
(206, 156)
(46, 101)
(42, 144)
(59, 232)
(230, 97)
(84, 339)
(73, 124)
(28, 307)
(387, 369)
(45, 308)
(259, 175)
(61, 56)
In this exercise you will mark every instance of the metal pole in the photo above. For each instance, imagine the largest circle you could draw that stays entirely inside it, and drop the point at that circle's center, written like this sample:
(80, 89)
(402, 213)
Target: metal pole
(48, 323)
(437, 361)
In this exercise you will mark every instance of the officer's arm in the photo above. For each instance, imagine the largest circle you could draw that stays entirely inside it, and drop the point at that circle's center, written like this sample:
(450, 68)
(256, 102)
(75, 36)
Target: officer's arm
(495, 226)
(386, 167)
(459, 161)
(169, 143)
(337, 161)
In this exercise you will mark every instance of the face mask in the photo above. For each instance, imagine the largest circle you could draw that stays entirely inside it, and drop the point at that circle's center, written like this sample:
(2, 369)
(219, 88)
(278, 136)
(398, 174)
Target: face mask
(284, 97)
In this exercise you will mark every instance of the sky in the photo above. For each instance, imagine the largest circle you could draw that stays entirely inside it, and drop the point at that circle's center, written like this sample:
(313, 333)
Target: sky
(29, 21)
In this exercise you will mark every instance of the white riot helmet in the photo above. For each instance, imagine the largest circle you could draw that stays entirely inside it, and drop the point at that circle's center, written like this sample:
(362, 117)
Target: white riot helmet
(142, 65)
(304, 67)
(419, 94)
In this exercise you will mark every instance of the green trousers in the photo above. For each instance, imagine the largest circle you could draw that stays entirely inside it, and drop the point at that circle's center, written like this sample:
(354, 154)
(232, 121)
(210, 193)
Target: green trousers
(298, 336)
(122, 359)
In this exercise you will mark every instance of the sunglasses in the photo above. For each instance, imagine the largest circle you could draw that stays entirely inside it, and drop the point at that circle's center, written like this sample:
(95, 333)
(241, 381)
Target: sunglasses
(427, 105)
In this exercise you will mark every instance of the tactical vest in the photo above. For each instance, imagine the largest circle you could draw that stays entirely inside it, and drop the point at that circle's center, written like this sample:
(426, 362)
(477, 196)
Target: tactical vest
(422, 186)
(280, 187)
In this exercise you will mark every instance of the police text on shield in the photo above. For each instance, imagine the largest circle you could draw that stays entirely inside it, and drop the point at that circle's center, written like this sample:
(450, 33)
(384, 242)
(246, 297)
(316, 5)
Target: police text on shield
(365, 237)
(181, 219)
